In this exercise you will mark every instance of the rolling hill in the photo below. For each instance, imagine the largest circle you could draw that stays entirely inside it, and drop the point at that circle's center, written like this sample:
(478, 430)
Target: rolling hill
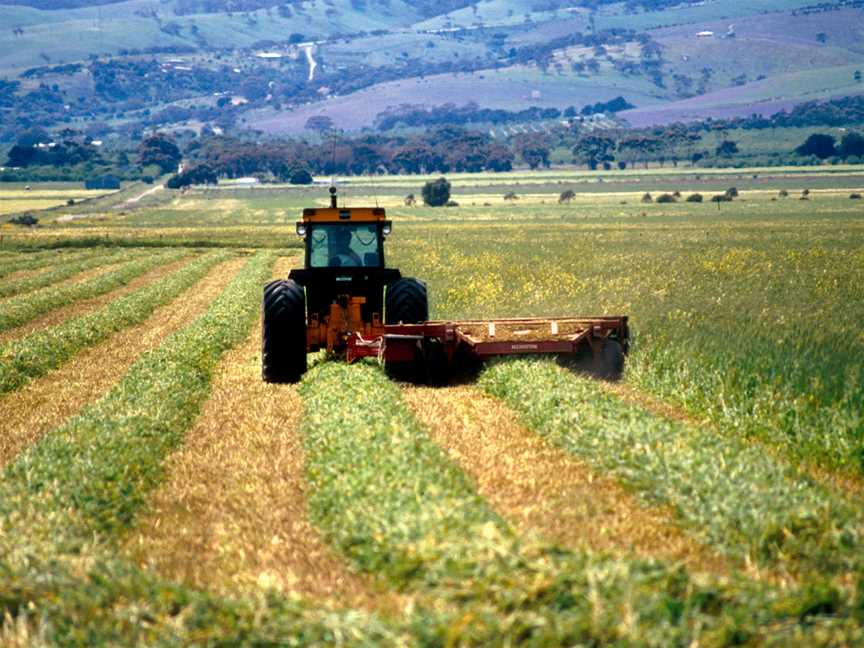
(278, 63)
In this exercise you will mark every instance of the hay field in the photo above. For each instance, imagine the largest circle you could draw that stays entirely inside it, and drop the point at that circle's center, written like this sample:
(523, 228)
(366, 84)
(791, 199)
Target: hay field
(154, 491)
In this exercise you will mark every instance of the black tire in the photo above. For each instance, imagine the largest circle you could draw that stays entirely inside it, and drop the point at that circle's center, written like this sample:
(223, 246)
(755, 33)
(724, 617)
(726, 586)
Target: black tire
(406, 302)
(283, 332)
(435, 364)
(609, 363)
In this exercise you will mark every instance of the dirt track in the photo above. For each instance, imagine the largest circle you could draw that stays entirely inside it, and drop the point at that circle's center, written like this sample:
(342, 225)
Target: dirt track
(542, 489)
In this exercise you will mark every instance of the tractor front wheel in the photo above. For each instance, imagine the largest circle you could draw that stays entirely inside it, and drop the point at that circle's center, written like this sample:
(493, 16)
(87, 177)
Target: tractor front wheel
(283, 332)
(406, 302)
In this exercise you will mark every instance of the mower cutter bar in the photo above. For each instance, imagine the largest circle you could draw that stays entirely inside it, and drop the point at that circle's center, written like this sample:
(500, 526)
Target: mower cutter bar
(484, 338)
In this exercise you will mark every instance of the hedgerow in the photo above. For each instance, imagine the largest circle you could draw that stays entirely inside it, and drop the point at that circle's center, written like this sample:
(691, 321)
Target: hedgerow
(731, 494)
(396, 506)
(23, 308)
(36, 354)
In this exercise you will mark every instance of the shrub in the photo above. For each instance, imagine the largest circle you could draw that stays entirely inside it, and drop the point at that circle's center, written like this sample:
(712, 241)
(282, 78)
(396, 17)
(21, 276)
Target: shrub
(783, 193)
(301, 177)
(646, 198)
(695, 198)
(511, 195)
(666, 198)
(732, 192)
(436, 193)
(70, 202)
(677, 194)
(806, 192)
(721, 198)
(566, 197)
(26, 220)
(855, 196)
(452, 203)
(410, 200)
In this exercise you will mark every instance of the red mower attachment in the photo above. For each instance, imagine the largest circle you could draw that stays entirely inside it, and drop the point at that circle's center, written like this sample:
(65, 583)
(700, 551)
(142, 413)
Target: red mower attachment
(596, 343)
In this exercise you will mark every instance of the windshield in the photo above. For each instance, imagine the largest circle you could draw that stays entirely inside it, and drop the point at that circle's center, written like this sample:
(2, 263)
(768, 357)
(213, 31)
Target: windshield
(344, 246)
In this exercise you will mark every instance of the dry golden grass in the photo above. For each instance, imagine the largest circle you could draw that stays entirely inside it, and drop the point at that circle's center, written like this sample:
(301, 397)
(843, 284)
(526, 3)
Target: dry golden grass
(46, 402)
(544, 490)
(231, 514)
(83, 306)
(846, 483)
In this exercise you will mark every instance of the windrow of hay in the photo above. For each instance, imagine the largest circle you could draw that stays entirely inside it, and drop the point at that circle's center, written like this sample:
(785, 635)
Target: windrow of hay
(58, 315)
(46, 402)
(231, 514)
(844, 483)
(544, 490)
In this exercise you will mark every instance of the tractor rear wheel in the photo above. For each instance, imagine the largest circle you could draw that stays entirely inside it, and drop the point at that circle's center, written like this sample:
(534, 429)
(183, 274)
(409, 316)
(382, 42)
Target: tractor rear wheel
(406, 302)
(609, 363)
(283, 332)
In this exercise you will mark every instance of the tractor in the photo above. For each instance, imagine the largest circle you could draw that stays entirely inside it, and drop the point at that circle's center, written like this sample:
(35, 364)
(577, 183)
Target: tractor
(345, 300)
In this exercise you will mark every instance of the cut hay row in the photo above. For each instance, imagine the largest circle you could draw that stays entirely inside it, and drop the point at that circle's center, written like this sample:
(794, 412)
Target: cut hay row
(230, 515)
(57, 316)
(65, 502)
(46, 402)
(16, 311)
(15, 262)
(71, 269)
(734, 496)
(395, 505)
(96, 469)
(851, 485)
(44, 350)
(545, 490)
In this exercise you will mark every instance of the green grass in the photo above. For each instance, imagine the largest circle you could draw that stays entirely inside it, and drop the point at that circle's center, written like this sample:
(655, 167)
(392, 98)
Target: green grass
(61, 271)
(748, 315)
(38, 353)
(23, 308)
(64, 268)
(14, 261)
(730, 494)
(393, 503)
(68, 499)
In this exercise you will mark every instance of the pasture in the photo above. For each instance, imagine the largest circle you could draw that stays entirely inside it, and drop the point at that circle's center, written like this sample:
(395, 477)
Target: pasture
(155, 490)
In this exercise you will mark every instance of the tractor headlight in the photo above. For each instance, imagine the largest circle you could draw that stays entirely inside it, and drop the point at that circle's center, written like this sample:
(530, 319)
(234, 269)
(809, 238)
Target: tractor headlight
(387, 228)
(301, 229)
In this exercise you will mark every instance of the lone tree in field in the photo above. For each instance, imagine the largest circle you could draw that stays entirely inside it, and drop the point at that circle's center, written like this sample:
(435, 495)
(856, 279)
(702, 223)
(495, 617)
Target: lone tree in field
(410, 200)
(437, 192)
(511, 196)
(566, 197)
(819, 144)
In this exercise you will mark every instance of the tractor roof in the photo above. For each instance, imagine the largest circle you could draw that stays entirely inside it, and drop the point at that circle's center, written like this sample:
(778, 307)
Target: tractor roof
(341, 215)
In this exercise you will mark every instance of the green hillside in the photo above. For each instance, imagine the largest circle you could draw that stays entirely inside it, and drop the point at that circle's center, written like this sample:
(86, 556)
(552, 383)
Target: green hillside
(120, 67)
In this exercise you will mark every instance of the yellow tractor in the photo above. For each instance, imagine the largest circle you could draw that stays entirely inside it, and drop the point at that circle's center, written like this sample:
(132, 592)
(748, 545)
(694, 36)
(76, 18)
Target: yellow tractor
(345, 300)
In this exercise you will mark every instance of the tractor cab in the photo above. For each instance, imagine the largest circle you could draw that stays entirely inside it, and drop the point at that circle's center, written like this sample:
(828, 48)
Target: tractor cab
(344, 238)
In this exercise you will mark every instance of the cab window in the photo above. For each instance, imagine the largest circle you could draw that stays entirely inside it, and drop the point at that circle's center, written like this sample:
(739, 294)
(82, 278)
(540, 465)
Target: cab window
(344, 246)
